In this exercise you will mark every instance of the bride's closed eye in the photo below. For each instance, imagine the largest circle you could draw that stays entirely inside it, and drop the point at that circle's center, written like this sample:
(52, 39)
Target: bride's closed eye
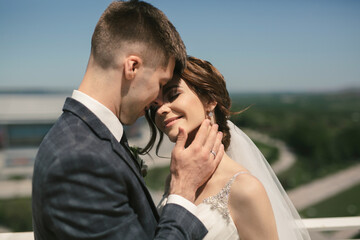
(172, 94)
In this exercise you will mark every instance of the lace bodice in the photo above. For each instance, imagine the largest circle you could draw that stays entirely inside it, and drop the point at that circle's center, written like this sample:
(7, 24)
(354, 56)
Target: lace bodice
(220, 200)
(214, 213)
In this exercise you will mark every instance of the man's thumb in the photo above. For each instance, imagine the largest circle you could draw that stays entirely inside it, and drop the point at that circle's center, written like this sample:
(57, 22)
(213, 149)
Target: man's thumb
(181, 138)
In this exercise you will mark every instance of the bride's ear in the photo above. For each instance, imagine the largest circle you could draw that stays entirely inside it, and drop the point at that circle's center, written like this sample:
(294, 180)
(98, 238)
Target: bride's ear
(210, 106)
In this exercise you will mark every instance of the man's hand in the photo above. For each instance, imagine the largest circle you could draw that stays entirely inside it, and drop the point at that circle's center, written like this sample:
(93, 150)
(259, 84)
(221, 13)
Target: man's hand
(191, 167)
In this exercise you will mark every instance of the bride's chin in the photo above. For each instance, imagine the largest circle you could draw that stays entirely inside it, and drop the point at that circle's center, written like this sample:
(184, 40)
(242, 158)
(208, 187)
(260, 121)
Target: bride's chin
(172, 135)
(172, 138)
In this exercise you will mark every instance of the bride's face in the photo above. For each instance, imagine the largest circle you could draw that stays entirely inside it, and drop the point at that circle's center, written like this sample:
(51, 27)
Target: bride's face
(181, 107)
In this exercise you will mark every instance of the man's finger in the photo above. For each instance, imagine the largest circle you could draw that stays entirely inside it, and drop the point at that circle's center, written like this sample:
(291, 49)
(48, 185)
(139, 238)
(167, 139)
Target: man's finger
(212, 137)
(219, 156)
(202, 133)
(181, 139)
(217, 144)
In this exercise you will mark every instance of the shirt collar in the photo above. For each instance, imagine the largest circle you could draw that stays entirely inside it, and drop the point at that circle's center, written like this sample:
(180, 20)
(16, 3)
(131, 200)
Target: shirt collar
(106, 116)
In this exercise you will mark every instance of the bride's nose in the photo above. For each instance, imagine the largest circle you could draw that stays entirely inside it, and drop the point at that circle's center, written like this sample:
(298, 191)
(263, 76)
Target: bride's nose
(164, 108)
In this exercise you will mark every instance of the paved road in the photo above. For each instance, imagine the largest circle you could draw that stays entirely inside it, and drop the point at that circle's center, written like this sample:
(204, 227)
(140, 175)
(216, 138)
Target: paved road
(319, 190)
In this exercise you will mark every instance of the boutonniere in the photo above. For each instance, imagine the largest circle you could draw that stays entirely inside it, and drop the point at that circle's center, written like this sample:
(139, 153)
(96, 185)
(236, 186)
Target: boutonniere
(135, 152)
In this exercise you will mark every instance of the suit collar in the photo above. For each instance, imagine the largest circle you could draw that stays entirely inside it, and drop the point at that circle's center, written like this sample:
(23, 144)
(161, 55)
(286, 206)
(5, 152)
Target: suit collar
(106, 116)
(96, 125)
(77, 108)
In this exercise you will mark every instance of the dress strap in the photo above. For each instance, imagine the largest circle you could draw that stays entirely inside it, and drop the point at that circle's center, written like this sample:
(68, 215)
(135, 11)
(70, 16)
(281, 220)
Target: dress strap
(234, 177)
(220, 200)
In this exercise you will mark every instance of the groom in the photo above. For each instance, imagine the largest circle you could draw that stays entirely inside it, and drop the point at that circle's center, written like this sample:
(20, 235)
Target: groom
(86, 184)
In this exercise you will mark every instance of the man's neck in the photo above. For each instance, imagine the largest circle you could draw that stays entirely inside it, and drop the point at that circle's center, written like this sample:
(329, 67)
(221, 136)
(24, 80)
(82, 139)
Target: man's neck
(103, 86)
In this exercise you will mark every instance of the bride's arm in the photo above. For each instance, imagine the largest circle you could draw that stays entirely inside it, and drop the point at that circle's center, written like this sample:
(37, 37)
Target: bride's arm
(251, 210)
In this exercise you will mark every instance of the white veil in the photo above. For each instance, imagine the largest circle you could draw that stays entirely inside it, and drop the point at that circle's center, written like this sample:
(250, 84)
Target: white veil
(245, 152)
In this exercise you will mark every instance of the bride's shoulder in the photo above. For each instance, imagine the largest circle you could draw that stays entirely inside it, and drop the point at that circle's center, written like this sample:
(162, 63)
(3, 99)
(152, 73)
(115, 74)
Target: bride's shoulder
(246, 190)
(251, 209)
(245, 187)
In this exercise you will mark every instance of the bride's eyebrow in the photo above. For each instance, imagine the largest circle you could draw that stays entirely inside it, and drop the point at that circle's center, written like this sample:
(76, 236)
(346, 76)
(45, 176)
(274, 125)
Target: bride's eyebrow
(166, 89)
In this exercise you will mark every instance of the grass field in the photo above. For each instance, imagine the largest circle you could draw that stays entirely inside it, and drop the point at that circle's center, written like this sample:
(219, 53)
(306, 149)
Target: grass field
(323, 129)
(15, 214)
(155, 179)
(270, 153)
(344, 204)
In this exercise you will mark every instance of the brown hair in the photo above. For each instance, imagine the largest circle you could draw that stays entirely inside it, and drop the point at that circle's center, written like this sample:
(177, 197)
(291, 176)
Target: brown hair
(124, 23)
(209, 85)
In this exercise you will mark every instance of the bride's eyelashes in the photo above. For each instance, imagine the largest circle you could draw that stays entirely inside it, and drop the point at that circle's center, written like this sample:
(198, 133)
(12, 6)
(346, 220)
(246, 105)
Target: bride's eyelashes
(173, 97)
(172, 94)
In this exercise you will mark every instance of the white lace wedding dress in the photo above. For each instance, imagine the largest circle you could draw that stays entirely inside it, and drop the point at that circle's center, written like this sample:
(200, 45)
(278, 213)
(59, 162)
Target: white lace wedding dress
(215, 215)
(214, 210)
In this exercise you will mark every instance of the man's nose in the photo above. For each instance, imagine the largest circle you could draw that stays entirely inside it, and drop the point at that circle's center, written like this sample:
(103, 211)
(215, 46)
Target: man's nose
(158, 101)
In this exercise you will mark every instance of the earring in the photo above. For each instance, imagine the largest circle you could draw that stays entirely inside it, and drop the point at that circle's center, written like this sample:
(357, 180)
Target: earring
(210, 115)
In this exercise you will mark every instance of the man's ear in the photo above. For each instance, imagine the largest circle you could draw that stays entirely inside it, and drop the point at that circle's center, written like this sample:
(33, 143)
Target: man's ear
(131, 66)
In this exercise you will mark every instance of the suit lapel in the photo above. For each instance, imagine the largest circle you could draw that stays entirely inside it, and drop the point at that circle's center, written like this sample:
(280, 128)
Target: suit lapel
(120, 150)
(71, 105)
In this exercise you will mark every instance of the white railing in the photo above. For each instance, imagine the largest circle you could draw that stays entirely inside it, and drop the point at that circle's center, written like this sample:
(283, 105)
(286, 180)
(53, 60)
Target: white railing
(333, 228)
(332, 224)
(349, 225)
(17, 236)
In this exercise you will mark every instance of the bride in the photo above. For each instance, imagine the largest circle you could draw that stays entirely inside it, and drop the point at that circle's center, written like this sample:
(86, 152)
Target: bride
(243, 199)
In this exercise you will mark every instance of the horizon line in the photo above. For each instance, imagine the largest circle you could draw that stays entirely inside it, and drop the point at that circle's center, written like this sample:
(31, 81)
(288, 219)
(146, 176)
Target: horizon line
(69, 91)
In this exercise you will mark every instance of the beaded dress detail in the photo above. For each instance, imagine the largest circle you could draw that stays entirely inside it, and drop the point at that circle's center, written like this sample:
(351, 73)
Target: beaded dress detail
(220, 200)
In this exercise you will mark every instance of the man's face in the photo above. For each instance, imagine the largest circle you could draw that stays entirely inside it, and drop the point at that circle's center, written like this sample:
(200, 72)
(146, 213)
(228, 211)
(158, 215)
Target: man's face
(144, 90)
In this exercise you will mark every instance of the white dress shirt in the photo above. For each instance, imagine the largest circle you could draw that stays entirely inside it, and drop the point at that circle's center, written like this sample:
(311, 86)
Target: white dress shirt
(109, 119)
(106, 116)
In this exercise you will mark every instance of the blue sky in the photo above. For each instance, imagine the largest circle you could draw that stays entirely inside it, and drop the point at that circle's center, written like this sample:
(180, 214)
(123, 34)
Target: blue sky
(258, 45)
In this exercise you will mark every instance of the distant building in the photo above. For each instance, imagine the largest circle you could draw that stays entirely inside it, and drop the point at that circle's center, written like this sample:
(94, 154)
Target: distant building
(24, 121)
(25, 118)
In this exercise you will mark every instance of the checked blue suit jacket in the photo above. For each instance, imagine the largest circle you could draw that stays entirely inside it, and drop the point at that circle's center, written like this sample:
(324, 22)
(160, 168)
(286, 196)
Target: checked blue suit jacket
(86, 186)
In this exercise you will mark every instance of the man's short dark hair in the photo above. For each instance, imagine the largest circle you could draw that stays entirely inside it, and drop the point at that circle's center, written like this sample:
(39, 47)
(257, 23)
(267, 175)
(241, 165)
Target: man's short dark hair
(141, 23)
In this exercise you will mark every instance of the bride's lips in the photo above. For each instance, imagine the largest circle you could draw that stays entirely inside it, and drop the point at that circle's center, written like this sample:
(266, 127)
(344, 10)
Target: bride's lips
(171, 121)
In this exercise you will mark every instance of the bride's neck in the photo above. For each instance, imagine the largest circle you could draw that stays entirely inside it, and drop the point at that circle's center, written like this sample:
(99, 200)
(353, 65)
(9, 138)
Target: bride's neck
(224, 166)
(224, 169)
